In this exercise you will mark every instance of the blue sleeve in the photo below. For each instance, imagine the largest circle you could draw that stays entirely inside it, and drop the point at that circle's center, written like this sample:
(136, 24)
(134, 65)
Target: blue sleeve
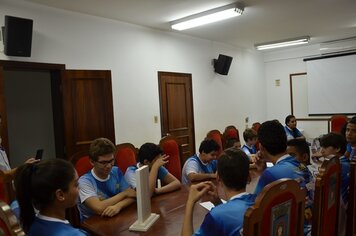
(162, 173)
(123, 184)
(209, 227)
(299, 134)
(214, 165)
(265, 179)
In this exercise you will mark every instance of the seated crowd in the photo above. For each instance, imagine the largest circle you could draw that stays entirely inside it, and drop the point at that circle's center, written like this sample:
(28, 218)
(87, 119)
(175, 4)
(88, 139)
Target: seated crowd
(45, 189)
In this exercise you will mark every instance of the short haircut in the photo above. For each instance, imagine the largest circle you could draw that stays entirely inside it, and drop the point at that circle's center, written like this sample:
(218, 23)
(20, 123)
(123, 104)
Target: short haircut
(208, 146)
(233, 168)
(100, 147)
(352, 120)
(288, 118)
(230, 142)
(334, 140)
(148, 151)
(272, 137)
(249, 134)
(300, 145)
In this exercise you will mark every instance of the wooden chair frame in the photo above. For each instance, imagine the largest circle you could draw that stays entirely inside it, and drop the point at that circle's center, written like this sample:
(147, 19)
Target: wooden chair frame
(327, 195)
(351, 208)
(10, 220)
(276, 195)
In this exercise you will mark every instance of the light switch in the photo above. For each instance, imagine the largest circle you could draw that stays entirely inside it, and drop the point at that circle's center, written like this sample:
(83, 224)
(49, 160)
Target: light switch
(155, 118)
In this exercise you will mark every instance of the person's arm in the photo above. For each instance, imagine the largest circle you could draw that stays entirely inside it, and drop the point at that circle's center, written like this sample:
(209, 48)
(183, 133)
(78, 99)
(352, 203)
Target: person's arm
(200, 176)
(99, 206)
(160, 161)
(115, 209)
(195, 193)
(170, 183)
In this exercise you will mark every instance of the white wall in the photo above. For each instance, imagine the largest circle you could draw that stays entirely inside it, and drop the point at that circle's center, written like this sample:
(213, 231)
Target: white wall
(278, 66)
(134, 54)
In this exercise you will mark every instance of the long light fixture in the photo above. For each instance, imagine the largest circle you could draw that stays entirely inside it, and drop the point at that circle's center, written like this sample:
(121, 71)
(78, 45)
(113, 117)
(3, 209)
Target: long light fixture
(210, 16)
(283, 43)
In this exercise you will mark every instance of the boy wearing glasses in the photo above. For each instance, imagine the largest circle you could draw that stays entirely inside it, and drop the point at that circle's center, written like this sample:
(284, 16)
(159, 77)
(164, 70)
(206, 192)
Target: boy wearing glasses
(103, 190)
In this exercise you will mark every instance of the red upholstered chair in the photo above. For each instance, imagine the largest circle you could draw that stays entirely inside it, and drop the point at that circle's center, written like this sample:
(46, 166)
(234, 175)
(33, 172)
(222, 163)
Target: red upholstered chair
(337, 122)
(9, 225)
(255, 127)
(81, 163)
(171, 147)
(217, 137)
(351, 208)
(278, 210)
(230, 132)
(126, 155)
(327, 199)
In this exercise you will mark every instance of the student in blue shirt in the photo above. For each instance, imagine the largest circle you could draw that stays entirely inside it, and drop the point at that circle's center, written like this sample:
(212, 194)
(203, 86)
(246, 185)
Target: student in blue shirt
(291, 128)
(201, 166)
(152, 155)
(103, 190)
(51, 186)
(351, 138)
(227, 218)
(250, 137)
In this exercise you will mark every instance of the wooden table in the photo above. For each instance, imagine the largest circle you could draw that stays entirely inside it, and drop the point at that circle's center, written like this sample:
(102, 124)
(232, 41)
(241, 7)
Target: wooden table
(170, 207)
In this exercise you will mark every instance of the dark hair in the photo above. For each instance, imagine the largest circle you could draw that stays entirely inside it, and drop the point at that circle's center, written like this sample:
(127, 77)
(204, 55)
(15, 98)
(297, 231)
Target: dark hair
(208, 146)
(288, 118)
(233, 168)
(352, 120)
(249, 134)
(230, 142)
(37, 183)
(100, 147)
(148, 151)
(301, 146)
(334, 140)
(272, 137)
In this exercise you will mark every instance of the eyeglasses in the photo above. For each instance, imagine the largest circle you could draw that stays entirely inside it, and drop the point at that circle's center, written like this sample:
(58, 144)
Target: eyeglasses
(104, 163)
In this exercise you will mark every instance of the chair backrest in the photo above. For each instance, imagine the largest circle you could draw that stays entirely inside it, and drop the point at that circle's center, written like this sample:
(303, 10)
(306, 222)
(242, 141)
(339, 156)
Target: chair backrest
(256, 127)
(337, 122)
(171, 147)
(327, 198)
(9, 225)
(217, 137)
(126, 155)
(230, 132)
(351, 208)
(81, 162)
(278, 210)
(7, 192)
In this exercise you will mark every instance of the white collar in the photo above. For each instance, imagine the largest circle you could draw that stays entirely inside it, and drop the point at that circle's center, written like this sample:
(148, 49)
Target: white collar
(47, 218)
(282, 158)
(98, 178)
(238, 195)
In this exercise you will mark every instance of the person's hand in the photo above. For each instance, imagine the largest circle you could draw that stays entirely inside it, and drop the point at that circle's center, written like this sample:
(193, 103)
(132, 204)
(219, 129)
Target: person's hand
(213, 194)
(160, 161)
(111, 211)
(198, 190)
(31, 160)
(259, 161)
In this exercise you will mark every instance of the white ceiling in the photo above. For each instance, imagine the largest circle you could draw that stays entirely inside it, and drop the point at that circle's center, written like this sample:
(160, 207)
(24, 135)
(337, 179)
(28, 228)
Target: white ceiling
(262, 20)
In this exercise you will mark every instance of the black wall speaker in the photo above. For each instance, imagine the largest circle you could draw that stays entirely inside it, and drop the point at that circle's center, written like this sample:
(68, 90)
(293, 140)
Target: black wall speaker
(222, 64)
(17, 36)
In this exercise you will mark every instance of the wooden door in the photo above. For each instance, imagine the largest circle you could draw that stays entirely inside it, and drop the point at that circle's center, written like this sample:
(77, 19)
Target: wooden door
(176, 104)
(87, 108)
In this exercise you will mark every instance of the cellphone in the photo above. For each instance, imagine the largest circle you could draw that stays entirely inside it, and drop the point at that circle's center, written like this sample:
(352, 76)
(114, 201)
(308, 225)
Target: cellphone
(39, 154)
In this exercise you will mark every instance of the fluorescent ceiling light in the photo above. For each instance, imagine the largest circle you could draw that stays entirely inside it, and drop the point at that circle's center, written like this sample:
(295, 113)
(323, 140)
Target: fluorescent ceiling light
(210, 16)
(283, 43)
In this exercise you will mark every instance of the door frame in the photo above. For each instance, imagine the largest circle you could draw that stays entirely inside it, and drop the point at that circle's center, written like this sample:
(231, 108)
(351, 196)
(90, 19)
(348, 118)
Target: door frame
(55, 73)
